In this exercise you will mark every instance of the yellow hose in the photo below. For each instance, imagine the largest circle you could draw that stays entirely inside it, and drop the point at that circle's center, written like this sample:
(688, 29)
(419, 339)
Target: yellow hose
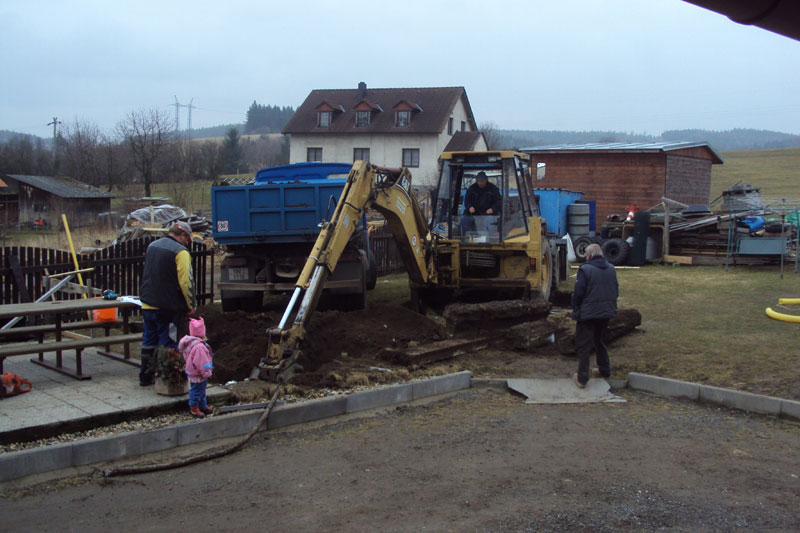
(782, 316)
(789, 301)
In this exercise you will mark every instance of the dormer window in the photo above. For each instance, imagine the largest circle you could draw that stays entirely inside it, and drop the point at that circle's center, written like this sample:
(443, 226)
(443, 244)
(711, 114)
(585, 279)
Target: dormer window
(403, 118)
(326, 113)
(404, 112)
(362, 119)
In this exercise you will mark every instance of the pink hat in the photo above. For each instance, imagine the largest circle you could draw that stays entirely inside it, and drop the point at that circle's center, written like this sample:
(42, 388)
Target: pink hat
(197, 327)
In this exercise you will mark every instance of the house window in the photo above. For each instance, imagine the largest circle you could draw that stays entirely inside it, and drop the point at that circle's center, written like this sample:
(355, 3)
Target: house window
(323, 119)
(314, 154)
(450, 126)
(403, 119)
(463, 126)
(362, 119)
(360, 154)
(410, 157)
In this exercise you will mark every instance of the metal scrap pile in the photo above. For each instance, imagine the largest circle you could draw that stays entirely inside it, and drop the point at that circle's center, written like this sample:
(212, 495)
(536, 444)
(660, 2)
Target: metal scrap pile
(742, 215)
(151, 220)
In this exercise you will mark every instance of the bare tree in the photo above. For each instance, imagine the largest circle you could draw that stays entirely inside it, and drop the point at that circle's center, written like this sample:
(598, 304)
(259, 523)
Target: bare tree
(146, 133)
(492, 136)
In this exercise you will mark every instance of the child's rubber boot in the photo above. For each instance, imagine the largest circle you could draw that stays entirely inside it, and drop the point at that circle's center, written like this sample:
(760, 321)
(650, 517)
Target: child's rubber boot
(196, 412)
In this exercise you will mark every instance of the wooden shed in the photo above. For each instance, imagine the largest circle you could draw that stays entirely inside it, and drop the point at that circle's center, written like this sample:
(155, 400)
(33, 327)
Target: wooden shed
(618, 175)
(47, 197)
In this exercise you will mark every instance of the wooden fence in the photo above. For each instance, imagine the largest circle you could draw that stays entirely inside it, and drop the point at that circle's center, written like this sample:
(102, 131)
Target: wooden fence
(117, 267)
(385, 250)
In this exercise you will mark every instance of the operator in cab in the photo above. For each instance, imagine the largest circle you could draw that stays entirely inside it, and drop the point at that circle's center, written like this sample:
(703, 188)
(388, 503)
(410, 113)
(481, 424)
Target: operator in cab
(482, 199)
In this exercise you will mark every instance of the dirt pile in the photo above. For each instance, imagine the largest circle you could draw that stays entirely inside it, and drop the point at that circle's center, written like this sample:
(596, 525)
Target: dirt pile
(348, 341)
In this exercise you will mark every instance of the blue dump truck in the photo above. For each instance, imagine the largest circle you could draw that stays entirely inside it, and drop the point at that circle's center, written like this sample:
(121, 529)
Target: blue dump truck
(268, 228)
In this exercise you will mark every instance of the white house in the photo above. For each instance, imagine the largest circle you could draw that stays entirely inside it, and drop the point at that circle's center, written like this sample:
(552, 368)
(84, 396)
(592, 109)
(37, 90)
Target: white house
(388, 127)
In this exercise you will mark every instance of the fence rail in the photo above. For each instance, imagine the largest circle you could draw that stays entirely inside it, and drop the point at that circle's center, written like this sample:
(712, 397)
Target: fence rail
(117, 267)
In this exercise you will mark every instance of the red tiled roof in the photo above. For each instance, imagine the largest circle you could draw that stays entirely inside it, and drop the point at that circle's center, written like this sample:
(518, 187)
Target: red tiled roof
(437, 103)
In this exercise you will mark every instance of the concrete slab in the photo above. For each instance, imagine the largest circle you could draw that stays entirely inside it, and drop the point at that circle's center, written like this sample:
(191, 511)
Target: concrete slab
(360, 401)
(563, 390)
(664, 386)
(790, 408)
(747, 401)
(441, 384)
(55, 398)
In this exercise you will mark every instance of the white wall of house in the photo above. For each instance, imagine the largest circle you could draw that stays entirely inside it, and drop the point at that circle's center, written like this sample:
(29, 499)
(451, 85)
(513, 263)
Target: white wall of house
(385, 149)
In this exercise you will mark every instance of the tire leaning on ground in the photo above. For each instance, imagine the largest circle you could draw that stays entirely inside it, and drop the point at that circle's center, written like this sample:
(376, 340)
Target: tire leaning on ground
(616, 251)
(580, 245)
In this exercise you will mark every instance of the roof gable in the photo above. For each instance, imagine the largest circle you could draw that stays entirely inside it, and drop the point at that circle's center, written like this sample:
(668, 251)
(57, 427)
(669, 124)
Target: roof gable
(432, 107)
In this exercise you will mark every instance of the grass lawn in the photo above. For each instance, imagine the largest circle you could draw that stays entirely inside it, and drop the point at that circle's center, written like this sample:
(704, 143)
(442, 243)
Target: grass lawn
(706, 325)
(775, 172)
(699, 324)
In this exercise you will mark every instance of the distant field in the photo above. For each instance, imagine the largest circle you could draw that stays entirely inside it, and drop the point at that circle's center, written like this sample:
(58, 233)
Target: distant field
(775, 172)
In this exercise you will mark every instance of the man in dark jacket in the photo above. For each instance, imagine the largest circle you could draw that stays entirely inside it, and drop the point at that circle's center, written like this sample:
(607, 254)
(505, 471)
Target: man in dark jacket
(594, 303)
(167, 294)
(483, 198)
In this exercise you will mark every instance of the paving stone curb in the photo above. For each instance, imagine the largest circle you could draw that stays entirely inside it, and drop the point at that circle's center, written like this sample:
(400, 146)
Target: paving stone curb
(15, 465)
(745, 401)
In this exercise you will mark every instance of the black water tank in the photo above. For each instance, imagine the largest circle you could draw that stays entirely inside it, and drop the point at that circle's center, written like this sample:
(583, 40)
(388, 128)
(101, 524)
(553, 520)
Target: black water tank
(641, 229)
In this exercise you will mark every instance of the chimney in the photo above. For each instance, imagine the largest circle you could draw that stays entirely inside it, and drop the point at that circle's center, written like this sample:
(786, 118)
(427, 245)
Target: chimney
(362, 90)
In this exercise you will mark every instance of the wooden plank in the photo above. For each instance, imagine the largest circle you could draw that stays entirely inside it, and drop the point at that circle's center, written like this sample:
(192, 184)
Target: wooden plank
(33, 348)
(681, 259)
(19, 279)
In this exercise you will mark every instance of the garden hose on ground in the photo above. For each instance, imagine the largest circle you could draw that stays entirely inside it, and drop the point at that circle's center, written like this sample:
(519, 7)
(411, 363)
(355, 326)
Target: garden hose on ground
(207, 456)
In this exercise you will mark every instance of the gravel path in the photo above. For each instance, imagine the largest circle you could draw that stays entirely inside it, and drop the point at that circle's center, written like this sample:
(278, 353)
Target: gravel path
(478, 461)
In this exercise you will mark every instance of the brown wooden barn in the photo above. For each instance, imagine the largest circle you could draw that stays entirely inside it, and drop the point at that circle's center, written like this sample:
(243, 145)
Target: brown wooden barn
(619, 175)
(47, 197)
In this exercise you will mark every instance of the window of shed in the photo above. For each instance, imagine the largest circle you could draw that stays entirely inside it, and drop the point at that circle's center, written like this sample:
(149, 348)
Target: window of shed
(362, 119)
(403, 119)
(324, 119)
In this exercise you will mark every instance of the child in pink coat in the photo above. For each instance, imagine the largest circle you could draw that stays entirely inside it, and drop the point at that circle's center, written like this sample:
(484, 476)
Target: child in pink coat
(197, 355)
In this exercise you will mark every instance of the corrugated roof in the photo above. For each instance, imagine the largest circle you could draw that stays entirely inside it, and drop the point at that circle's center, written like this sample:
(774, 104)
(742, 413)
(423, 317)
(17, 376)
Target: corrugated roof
(433, 108)
(624, 147)
(63, 187)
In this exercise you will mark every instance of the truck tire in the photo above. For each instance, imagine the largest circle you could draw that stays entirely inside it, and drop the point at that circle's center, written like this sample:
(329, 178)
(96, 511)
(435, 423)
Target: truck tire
(580, 245)
(616, 251)
(372, 273)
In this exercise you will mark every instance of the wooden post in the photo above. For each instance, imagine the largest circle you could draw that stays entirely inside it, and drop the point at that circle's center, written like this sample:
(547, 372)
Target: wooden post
(665, 238)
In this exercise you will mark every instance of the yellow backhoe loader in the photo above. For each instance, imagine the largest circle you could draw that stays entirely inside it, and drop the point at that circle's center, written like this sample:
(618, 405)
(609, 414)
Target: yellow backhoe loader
(504, 253)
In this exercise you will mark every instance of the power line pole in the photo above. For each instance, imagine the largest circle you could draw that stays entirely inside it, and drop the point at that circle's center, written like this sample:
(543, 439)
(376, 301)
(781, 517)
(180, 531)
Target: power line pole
(190, 106)
(55, 124)
(177, 114)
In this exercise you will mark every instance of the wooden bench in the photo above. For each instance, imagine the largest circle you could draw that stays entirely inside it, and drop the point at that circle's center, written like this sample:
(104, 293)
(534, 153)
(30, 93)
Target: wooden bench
(78, 345)
(59, 309)
(40, 331)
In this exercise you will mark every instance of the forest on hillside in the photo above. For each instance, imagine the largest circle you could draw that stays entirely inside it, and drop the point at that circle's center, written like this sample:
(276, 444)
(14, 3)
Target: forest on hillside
(722, 141)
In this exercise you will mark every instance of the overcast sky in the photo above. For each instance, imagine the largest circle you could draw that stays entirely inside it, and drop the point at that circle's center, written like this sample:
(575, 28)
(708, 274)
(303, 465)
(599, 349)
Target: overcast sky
(623, 65)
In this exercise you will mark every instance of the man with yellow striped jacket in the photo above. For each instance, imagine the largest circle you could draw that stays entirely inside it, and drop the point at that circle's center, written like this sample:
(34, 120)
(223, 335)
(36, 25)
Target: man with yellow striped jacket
(167, 294)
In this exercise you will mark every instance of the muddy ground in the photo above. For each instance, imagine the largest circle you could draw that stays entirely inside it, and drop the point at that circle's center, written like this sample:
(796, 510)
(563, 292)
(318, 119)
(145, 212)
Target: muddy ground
(479, 461)
(344, 349)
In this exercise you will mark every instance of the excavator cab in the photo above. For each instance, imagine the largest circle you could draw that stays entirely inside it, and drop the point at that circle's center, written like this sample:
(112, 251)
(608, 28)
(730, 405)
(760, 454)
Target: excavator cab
(484, 197)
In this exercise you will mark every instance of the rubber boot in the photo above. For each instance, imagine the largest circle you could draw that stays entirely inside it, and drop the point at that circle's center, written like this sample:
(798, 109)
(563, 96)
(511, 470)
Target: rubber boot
(147, 369)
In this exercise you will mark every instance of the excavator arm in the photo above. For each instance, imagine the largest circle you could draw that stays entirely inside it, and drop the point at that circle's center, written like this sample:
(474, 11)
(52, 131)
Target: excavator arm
(389, 192)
